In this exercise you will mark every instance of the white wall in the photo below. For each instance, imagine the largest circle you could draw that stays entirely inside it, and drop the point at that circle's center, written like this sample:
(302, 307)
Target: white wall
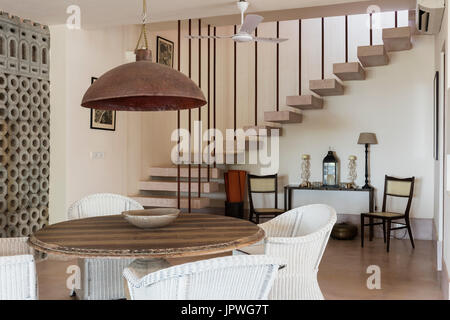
(78, 55)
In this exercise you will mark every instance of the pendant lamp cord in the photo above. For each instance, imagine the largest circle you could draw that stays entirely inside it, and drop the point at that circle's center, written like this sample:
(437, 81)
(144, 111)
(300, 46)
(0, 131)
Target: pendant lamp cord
(143, 28)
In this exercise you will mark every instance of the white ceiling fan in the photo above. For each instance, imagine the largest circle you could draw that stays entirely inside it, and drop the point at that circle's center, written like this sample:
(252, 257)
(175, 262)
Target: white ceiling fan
(248, 26)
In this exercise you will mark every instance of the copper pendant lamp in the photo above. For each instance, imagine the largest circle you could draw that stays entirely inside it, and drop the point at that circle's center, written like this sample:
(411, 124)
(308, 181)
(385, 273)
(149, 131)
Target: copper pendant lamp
(143, 85)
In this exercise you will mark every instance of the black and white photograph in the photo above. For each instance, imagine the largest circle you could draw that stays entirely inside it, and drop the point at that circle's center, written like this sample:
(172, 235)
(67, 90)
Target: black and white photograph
(102, 119)
(164, 51)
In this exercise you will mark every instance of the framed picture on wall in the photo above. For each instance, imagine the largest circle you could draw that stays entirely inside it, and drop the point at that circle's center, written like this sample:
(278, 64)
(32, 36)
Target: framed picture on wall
(164, 51)
(103, 119)
(436, 117)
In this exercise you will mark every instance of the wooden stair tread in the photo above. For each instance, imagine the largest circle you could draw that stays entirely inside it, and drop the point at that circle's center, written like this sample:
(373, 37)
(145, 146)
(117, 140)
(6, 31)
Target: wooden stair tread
(304, 102)
(284, 116)
(373, 56)
(326, 87)
(194, 162)
(171, 202)
(172, 171)
(349, 71)
(247, 145)
(157, 185)
(397, 39)
(259, 129)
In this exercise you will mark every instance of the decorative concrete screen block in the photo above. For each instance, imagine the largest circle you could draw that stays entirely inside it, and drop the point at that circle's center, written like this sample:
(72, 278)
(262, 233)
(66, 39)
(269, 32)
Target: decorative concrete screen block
(24, 126)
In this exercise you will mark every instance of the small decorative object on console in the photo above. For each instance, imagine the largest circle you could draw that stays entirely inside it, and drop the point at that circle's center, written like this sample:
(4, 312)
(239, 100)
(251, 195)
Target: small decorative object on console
(367, 138)
(352, 175)
(317, 184)
(330, 170)
(306, 171)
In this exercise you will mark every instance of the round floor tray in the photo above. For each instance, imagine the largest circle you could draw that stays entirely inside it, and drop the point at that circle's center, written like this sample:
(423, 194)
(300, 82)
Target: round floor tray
(344, 231)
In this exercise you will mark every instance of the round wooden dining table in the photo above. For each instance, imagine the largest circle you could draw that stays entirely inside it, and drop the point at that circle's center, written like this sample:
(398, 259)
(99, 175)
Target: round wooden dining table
(192, 234)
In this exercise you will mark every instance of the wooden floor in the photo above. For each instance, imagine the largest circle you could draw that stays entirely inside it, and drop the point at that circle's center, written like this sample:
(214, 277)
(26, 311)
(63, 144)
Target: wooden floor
(405, 273)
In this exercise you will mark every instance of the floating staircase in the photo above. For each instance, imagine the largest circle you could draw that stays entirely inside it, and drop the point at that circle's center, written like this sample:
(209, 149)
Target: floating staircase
(395, 39)
(163, 179)
(161, 189)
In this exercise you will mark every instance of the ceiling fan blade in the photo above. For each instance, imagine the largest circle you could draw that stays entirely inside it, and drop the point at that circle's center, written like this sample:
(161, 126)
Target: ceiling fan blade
(250, 23)
(207, 37)
(274, 40)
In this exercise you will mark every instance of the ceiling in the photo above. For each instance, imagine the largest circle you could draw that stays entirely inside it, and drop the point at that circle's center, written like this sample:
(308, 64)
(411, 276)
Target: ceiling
(118, 12)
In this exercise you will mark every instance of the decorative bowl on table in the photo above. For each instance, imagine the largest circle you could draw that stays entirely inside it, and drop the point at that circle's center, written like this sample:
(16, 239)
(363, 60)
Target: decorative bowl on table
(151, 218)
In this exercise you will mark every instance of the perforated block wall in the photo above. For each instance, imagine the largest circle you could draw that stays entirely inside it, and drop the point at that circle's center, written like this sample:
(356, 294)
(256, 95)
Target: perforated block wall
(24, 126)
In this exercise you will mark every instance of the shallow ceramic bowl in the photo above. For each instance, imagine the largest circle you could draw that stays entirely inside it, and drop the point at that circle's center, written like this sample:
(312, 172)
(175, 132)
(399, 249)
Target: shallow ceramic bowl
(151, 218)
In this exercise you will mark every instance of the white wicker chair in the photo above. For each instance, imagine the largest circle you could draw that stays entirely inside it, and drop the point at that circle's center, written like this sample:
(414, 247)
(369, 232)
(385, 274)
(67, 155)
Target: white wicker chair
(300, 237)
(17, 270)
(102, 278)
(225, 278)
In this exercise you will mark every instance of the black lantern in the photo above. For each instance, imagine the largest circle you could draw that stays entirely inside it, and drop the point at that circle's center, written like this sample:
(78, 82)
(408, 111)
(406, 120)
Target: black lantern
(330, 170)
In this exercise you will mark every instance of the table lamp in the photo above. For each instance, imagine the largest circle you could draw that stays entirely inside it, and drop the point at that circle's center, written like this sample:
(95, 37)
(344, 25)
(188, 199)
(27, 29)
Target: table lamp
(367, 138)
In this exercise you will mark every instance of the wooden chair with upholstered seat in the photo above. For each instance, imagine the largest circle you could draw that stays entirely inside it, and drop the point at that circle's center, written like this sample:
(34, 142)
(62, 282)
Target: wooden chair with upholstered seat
(393, 187)
(263, 184)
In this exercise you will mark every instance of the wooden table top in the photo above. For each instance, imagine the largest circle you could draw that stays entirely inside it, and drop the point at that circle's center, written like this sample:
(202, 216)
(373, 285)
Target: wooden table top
(325, 188)
(191, 234)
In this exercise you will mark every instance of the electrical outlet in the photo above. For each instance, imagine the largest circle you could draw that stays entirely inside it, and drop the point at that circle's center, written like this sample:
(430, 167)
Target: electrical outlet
(97, 155)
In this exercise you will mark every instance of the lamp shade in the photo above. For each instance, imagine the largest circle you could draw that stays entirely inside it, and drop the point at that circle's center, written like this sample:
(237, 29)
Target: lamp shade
(367, 138)
(143, 86)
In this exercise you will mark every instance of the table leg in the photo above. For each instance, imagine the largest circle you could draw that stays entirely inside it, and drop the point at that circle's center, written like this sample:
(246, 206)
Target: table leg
(371, 229)
(290, 200)
(285, 198)
(142, 267)
(371, 201)
(371, 209)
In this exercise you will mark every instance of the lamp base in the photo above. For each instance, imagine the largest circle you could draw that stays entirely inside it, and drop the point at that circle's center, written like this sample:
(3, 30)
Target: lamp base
(366, 187)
